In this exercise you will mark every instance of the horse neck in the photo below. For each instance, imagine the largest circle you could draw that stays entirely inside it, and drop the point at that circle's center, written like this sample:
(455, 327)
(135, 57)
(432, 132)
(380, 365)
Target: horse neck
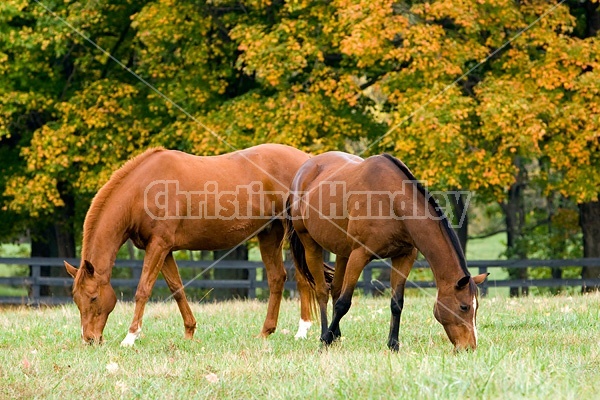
(104, 239)
(443, 258)
(432, 240)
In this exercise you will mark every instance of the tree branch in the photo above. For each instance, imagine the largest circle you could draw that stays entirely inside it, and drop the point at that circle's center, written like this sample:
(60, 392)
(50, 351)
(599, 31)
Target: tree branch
(114, 49)
(373, 80)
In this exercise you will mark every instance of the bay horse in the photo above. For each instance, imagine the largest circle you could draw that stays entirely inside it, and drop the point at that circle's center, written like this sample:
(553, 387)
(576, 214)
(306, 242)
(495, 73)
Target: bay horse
(166, 200)
(373, 209)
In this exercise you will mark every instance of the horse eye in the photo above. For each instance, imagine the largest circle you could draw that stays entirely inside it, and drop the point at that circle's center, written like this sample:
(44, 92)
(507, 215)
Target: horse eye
(465, 307)
(93, 299)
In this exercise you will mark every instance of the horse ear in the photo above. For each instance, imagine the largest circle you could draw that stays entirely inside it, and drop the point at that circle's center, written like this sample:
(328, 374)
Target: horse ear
(478, 279)
(89, 268)
(71, 269)
(463, 282)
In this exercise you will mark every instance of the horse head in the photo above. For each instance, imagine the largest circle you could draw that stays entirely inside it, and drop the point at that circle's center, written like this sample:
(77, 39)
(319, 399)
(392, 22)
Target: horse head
(456, 309)
(95, 299)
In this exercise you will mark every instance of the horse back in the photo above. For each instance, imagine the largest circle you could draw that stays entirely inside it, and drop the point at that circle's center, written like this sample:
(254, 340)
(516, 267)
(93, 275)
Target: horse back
(189, 199)
(348, 202)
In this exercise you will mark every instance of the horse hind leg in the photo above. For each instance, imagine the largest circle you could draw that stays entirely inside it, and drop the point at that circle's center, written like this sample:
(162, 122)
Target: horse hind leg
(401, 267)
(314, 259)
(170, 272)
(336, 286)
(307, 304)
(356, 263)
(306, 294)
(270, 242)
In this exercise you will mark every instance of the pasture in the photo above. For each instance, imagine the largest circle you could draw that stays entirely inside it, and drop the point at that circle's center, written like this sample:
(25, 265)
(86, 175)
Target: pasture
(528, 348)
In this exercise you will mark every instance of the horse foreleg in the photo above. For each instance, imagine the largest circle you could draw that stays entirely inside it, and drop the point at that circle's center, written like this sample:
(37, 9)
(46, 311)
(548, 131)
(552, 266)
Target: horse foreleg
(153, 261)
(173, 279)
(356, 263)
(270, 250)
(401, 267)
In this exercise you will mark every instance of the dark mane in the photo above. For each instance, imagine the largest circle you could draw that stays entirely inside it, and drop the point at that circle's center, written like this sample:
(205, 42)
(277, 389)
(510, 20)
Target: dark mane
(104, 193)
(443, 218)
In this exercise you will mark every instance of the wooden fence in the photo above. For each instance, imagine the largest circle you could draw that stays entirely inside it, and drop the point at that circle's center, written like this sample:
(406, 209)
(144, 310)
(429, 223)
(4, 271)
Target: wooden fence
(368, 284)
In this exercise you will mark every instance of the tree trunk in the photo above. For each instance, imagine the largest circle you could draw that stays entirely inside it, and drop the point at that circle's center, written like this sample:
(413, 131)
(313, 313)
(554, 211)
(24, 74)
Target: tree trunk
(592, 16)
(53, 240)
(589, 220)
(461, 219)
(239, 253)
(589, 213)
(43, 244)
(514, 214)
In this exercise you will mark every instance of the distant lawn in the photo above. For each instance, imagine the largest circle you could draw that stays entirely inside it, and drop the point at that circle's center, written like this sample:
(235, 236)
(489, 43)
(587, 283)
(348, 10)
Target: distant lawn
(10, 291)
(14, 250)
(9, 270)
(490, 248)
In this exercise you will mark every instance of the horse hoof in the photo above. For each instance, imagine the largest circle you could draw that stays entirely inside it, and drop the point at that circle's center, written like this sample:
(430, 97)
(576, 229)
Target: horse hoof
(327, 338)
(303, 327)
(337, 335)
(127, 342)
(266, 332)
(300, 335)
(394, 346)
(189, 332)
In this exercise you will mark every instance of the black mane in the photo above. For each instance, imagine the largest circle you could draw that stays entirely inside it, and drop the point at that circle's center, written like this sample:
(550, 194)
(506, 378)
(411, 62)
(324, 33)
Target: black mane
(443, 219)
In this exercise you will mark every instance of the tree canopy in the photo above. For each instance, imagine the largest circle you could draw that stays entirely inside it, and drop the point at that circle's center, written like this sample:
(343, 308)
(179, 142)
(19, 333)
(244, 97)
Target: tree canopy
(354, 75)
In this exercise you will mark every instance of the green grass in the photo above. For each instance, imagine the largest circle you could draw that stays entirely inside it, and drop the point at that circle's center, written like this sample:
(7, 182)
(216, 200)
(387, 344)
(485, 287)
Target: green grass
(528, 348)
(6, 270)
(490, 248)
(11, 291)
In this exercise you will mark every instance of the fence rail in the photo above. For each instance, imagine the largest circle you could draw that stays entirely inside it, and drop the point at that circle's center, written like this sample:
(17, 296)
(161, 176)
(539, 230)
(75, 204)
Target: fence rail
(368, 284)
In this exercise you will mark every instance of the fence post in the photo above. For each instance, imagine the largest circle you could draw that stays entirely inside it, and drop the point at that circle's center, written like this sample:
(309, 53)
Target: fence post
(484, 286)
(36, 271)
(367, 278)
(252, 279)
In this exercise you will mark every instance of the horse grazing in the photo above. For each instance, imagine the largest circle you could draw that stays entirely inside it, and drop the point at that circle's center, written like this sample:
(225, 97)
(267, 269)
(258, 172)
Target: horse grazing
(165, 200)
(374, 208)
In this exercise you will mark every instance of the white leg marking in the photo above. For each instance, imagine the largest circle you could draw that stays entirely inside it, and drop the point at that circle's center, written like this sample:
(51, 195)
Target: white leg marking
(82, 337)
(130, 338)
(475, 305)
(303, 327)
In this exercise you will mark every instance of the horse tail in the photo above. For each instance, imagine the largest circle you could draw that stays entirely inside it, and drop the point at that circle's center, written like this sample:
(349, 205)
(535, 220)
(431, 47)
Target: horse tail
(297, 248)
(299, 256)
(304, 279)
(308, 296)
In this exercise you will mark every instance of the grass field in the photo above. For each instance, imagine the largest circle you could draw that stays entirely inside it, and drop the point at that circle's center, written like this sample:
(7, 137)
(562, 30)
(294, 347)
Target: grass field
(528, 348)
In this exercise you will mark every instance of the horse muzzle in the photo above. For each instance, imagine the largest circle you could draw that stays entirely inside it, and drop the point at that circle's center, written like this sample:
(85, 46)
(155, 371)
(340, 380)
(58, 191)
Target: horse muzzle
(92, 340)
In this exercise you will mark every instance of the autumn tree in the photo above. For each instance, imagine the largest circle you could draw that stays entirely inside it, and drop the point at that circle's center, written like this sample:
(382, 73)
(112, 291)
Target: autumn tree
(489, 96)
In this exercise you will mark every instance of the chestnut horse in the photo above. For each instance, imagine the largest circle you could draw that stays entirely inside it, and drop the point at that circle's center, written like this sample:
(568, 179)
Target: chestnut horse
(165, 200)
(371, 209)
